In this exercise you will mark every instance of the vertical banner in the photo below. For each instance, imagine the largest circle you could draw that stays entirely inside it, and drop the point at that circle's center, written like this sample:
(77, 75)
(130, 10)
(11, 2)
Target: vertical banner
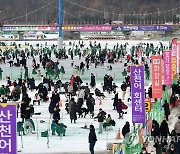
(167, 67)
(8, 140)
(174, 58)
(137, 94)
(156, 76)
(178, 50)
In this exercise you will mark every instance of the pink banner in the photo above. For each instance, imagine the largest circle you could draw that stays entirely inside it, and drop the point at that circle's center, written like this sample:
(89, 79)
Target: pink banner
(167, 54)
(156, 76)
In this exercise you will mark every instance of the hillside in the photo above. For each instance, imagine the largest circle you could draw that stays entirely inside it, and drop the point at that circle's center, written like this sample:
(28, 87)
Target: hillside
(45, 11)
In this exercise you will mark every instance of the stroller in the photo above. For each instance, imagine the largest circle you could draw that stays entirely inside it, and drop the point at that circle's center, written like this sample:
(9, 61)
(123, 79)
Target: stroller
(98, 93)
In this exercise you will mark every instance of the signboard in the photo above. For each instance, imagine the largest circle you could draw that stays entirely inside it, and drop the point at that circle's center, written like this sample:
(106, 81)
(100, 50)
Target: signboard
(148, 105)
(167, 56)
(178, 50)
(156, 76)
(55, 28)
(174, 58)
(142, 28)
(138, 94)
(8, 140)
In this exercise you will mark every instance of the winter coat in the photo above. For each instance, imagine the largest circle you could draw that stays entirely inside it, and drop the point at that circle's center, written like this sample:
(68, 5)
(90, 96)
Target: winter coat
(150, 92)
(81, 94)
(164, 129)
(171, 151)
(92, 136)
(125, 129)
(177, 126)
(166, 108)
(72, 80)
(90, 104)
(119, 107)
(56, 115)
(55, 98)
(23, 109)
(101, 116)
(70, 88)
(93, 81)
(79, 103)
(115, 103)
(123, 87)
(73, 115)
(155, 128)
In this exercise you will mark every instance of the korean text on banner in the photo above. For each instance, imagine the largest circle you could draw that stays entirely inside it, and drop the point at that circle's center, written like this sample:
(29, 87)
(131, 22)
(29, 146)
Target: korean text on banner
(8, 140)
(138, 95)
(167, 67)
(156, 76)
(178, 50)
(174, 58)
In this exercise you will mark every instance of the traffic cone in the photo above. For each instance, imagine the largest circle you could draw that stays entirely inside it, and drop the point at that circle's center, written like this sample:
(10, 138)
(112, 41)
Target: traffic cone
(118, 136)
(100, 102)
(60, 103)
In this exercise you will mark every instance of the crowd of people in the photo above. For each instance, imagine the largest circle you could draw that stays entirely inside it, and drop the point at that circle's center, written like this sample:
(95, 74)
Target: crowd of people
(81, 97)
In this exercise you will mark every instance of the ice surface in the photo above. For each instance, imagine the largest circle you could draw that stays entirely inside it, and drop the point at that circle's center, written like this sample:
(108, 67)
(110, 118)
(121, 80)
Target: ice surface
(76, 139)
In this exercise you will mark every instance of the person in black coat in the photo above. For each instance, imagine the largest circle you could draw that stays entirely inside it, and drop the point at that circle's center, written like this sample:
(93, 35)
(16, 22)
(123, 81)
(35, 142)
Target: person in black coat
(92, 139)
(164, 131)
(155, 133)
(115, 103)
(24, 88)
(55, 97)
(90, 104)
(72, 111)
(110, 80)
(32, 83)
(42, 91)
(56, 115)
(126, 129)
(93, 81)
(166, 109)
(23, 110)
(119, 109)
(101, 117)
(150, 91)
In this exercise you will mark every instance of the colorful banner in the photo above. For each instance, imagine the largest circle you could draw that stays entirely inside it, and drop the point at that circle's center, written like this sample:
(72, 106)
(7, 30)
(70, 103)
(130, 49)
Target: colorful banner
(8, 140)
(174, 58)
(156, 76)
(142, 28)
(167, 56)
(178, 50)
(55, 28)
(148, 104)
(137, 94)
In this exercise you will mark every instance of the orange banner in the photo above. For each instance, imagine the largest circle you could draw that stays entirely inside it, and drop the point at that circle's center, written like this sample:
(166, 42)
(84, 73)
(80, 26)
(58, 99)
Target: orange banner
(156, 77)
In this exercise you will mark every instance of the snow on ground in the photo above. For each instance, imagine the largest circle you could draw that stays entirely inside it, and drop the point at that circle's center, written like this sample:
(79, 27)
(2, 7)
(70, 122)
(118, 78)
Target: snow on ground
(76, 139)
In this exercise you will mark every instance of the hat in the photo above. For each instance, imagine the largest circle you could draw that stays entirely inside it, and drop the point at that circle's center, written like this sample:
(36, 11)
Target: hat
(92, 127)
(100, 109)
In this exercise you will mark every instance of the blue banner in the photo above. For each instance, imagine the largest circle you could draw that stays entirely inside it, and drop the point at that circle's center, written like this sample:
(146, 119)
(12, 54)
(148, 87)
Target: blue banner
(143, 28)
